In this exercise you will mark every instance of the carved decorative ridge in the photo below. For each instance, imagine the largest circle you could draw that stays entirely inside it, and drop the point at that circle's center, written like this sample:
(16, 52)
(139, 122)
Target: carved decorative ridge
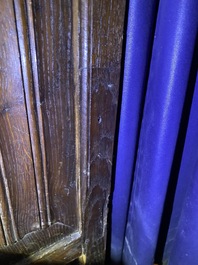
(85, 73)
(38, 103)
(90, 85)
(82, 63)
(6, 208)
(25, 33)
(76, 51)
(39, 239)
(70, 245)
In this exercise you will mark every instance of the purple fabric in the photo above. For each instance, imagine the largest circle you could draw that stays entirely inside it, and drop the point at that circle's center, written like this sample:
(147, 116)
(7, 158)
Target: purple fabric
(168, 79)
(140, 33)
(182, 241)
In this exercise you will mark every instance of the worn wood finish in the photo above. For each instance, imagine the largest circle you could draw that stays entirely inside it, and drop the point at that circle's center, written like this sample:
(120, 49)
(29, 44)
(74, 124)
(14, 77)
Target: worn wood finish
(59, 78)
(105, 35)
(31, 249)
(24, 26)
(36, 240)
(53, 31)
(20, 209)
(62, 252)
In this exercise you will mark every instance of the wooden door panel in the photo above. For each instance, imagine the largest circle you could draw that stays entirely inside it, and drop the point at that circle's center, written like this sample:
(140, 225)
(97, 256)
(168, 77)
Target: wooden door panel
(59, 98)
(19, 214)
(59, 77)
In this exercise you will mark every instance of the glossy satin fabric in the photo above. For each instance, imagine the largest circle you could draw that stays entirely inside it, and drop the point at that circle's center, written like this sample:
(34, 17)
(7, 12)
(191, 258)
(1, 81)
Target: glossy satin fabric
(140, 31)
(168, 79)
(182, 241)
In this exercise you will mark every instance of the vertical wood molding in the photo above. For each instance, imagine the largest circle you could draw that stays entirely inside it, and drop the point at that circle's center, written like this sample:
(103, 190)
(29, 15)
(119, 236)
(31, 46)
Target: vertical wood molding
(85, 73)
(14, 136)
(85, 86)
(2, 234)
(25, 32)
(6, 210)
(75, 44)
(38, 102)
(82, 54)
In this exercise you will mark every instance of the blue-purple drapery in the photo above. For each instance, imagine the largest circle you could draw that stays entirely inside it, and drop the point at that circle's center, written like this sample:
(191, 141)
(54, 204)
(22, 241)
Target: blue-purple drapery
(155, 199)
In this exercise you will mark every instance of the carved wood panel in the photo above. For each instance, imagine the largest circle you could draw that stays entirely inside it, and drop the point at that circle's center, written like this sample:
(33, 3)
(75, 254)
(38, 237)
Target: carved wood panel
(59, 79)
(59, 97)
(19, 214)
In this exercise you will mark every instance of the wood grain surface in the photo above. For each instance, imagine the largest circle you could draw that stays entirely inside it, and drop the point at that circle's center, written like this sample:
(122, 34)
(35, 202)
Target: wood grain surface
(17, 172)
(60, 63)
(104, 41)
(26, 43)
(53, 31)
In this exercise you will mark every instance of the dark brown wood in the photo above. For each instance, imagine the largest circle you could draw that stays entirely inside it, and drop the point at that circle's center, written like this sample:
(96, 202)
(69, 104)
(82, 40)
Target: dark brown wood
(24, 26)
(44, 248)
(53, 31)
(38, 240)
(20, 214)
(62, 252)
(105, 21)
(59, 79)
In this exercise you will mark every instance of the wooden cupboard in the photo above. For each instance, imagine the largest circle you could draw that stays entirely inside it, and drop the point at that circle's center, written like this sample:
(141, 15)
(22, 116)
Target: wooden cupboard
(60, 64)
